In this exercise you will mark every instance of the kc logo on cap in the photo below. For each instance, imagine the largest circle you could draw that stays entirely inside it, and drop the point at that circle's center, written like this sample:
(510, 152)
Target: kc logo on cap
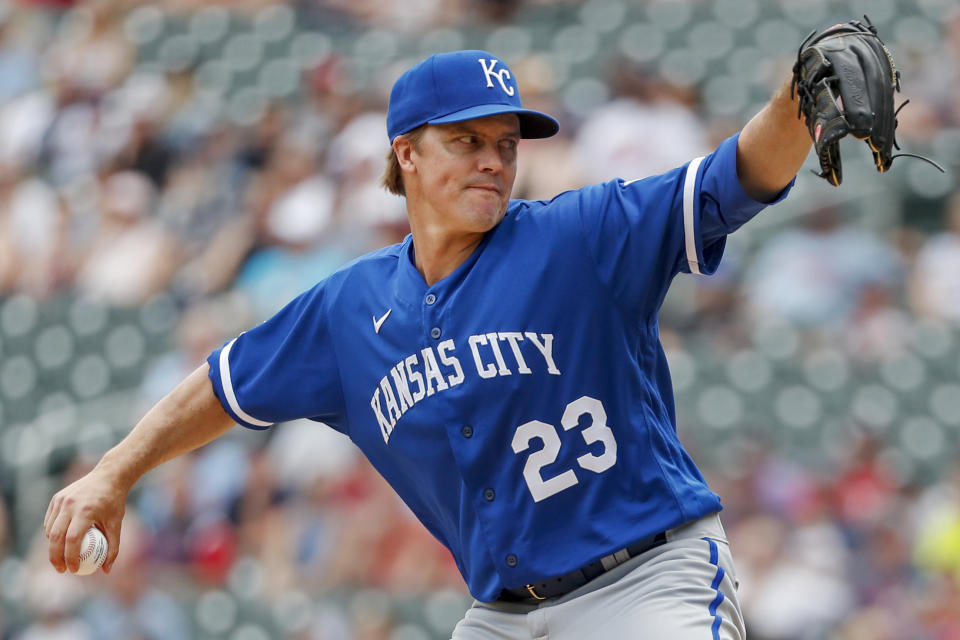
(458, 86)
(490, 74)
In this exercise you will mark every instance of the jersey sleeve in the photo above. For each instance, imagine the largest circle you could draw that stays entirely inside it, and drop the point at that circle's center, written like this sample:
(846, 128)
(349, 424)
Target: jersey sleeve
(283, 369)
(641, 233)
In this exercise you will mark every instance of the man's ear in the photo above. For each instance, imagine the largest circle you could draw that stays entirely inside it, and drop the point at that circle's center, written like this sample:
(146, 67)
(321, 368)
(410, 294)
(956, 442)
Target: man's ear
(404, 150)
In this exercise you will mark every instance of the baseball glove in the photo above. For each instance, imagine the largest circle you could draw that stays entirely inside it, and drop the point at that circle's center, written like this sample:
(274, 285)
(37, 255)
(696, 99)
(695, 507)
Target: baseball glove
(845, 79)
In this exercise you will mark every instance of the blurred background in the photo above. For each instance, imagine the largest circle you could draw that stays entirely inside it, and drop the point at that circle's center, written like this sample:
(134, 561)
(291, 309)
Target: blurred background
(172, 172)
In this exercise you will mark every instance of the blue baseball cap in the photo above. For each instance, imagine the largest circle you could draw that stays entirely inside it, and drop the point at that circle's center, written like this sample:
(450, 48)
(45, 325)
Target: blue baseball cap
(457, 86)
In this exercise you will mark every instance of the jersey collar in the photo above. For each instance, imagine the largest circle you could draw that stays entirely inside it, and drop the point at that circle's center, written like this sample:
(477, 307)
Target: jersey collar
(411, 287)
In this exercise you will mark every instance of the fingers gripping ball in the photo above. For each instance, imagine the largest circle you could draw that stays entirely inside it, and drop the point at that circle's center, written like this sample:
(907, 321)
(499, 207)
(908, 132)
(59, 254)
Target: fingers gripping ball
(93, 551)
(845, 79)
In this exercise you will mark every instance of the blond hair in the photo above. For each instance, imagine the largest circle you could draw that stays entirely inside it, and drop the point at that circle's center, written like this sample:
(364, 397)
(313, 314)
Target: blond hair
(392, 178)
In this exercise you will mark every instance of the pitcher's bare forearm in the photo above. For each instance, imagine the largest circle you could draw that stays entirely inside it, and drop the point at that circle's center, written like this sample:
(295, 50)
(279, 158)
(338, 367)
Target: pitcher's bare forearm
(188, 417)
(772, 147)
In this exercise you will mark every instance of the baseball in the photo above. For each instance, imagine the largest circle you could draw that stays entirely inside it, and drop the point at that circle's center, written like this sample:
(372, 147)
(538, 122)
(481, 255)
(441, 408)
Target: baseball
(93, 551)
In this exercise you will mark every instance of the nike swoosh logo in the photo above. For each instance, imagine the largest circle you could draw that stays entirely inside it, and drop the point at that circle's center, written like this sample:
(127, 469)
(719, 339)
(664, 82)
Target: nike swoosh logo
(377, 323)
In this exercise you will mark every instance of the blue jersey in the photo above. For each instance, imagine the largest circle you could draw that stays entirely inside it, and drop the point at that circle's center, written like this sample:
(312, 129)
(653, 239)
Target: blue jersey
(521, 406)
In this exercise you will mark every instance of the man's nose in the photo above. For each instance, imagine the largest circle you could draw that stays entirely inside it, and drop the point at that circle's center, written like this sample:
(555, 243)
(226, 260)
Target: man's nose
(489, 159)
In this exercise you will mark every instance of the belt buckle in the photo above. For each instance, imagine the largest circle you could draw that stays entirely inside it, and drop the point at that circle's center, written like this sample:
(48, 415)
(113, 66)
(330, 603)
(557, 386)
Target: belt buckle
(533, 593)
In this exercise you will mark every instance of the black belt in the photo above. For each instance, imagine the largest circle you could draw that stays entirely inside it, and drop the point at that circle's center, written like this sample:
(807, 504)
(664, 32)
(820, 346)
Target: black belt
(562, 585)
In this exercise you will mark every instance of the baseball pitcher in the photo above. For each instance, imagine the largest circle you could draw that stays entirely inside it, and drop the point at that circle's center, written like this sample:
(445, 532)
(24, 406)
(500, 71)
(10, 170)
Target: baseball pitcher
(501, 367)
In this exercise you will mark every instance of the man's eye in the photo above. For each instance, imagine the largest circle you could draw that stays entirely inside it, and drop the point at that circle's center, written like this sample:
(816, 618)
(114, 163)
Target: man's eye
(467, 139)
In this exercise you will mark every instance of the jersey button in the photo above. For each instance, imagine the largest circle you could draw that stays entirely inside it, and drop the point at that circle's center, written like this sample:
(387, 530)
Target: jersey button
(511, 560)
(467, 431)
(430, 299)
(489, 495)
(435, 333)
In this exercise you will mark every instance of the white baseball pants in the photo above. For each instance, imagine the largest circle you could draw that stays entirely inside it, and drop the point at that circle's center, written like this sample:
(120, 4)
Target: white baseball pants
(684, 589)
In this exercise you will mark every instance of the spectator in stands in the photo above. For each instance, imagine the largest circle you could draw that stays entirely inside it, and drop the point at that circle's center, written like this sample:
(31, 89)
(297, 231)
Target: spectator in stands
(865, 490)
(145, 151)
(164, 507)
(878, 327)
(648, 127)
(90, 51)
(939, 75)
(34, 248)
(935, 285)
(53, 603)
(189, 513)
(367, 216)
(132, 257)
(938, 527)
(292, 204)
(202, 205)
(813, 276)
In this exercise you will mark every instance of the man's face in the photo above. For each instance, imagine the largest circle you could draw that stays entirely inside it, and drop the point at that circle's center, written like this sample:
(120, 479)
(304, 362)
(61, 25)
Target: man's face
(466, 171)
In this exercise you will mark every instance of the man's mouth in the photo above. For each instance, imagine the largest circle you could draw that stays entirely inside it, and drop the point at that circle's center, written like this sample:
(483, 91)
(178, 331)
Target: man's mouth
(486, 187)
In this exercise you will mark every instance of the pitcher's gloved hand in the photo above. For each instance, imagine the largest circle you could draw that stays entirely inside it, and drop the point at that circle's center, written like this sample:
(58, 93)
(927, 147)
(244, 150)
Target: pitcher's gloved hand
(845, 79)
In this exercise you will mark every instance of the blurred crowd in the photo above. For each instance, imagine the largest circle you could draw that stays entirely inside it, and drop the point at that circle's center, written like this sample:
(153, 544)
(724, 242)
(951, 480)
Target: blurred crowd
(120, 183)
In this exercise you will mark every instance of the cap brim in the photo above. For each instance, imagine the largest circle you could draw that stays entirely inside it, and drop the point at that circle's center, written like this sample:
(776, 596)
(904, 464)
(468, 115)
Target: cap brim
(533, 124)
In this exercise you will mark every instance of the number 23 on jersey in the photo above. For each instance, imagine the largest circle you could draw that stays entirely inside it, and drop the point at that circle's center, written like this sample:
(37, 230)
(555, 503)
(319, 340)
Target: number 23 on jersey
(597, 431)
